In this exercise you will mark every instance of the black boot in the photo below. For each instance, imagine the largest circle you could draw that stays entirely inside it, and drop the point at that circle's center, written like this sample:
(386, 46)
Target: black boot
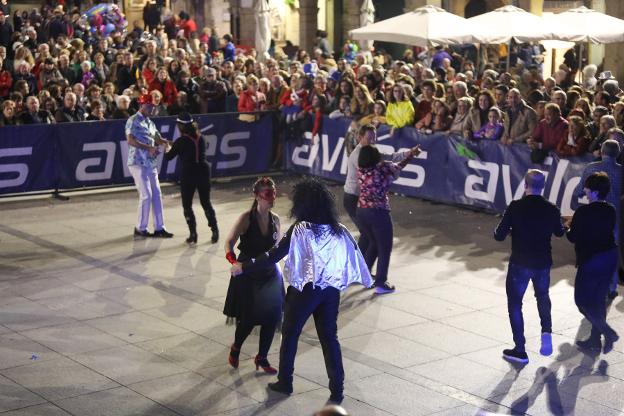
(192, 238)
(215, 234)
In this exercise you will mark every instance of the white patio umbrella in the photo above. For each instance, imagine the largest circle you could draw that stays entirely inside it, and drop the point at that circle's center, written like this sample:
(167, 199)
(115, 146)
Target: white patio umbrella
(426, 26)
(263, 29)
(367, 17)
(507, 23)
(586, 25)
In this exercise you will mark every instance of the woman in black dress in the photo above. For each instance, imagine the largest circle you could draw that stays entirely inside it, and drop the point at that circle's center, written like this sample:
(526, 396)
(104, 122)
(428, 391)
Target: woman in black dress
(591, 231)
(323, 260)
(194, 175)
(256, 298)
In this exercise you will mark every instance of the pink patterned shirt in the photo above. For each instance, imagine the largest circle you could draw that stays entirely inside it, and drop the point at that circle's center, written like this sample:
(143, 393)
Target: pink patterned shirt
(375, 182)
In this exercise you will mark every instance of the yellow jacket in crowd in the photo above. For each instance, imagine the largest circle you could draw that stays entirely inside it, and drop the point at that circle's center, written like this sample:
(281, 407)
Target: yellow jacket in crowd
(400, 114)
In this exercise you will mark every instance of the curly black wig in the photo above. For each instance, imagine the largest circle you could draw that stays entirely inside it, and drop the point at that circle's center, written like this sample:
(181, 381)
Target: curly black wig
(313, 202)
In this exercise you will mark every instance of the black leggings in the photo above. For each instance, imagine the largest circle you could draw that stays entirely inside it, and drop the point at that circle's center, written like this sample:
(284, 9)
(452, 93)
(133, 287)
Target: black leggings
(243, 329)
(188, 185)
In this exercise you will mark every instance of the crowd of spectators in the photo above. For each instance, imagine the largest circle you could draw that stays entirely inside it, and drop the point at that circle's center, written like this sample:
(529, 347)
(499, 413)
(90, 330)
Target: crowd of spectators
(54, 69)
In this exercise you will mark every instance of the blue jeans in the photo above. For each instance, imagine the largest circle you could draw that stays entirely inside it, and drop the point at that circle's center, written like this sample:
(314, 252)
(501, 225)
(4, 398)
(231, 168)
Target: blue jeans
(376, 225)
(517, 282)
(323, 305)
(591, 288)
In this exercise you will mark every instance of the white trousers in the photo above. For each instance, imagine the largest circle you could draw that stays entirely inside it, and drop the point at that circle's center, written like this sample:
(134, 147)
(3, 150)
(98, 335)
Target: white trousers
(146, 181)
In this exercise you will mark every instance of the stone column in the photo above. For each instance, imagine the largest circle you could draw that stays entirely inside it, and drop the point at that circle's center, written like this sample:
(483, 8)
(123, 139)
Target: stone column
(214, 16)
(533, 6)
(308, 25)
(350, 17)
(457, 7)
(247, 26)
(614, 52)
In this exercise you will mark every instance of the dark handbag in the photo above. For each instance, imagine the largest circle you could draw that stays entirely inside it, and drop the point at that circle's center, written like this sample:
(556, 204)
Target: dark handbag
(538, 155)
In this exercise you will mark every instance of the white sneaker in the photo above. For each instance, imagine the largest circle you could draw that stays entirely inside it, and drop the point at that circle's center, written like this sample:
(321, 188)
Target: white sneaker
(547, 347)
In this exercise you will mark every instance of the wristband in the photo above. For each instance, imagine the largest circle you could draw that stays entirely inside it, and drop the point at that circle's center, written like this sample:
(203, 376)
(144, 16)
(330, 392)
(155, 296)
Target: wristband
(231, 257)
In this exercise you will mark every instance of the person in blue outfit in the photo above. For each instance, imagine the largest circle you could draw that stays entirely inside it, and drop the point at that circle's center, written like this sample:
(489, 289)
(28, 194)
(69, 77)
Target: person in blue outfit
(144, 142)
(609, 152)
(323, 259)
(229, 50)
(592, 232)
(532, 221)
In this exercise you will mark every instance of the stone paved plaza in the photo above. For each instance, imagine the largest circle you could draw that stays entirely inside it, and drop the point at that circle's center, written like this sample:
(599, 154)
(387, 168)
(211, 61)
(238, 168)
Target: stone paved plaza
(93, 322)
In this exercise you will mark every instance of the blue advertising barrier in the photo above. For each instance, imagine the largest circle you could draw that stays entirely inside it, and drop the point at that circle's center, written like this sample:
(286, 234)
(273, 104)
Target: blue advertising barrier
(28, 159)
(482, 174)
(76, 155)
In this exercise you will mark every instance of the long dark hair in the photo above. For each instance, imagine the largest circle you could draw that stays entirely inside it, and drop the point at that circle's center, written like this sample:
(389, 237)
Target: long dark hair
(263, 182)
(313, 202)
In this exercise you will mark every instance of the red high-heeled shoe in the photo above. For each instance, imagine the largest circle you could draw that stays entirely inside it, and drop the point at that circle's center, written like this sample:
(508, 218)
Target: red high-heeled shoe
(264, 363)
(233, 357)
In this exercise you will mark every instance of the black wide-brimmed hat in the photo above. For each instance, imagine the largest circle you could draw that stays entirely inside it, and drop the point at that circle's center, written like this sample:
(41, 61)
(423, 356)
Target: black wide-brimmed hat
(185, 118)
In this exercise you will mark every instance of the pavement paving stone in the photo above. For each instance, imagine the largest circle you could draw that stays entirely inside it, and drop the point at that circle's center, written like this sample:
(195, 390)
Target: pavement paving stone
(191, 351)
(474, 378)
(398, 396)
(135, 327)
(47, 409)
(120, 401)
(16, 350)
(392, 349)
(58, 379)
(191, 394)
(141, 297)
(84, 305)
(73, 338)
(444, 337)
(23, 314)
(128, 364)
(14, 396)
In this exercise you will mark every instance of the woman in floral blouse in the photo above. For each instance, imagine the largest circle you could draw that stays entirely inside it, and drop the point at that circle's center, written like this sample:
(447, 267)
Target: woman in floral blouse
(373, 213)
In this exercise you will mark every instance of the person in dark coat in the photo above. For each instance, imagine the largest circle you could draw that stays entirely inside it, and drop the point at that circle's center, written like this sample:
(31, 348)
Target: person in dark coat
(592, 232)
(151, 16)
(532, 221)
(190, 148)
(33, 114)
(6, 31)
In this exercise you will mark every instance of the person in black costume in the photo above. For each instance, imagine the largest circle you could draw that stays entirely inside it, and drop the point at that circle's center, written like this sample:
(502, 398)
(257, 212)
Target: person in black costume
(255, 298)
(591, 231)
(194, 175)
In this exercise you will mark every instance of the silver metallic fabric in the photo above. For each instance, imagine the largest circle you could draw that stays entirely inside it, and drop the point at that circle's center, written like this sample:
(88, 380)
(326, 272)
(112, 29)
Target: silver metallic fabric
(325, 260)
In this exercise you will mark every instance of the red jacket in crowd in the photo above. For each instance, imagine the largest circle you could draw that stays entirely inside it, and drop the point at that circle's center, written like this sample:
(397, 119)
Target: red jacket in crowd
(248, 102)
(6, 83)
(167, 88)
(551, 134)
